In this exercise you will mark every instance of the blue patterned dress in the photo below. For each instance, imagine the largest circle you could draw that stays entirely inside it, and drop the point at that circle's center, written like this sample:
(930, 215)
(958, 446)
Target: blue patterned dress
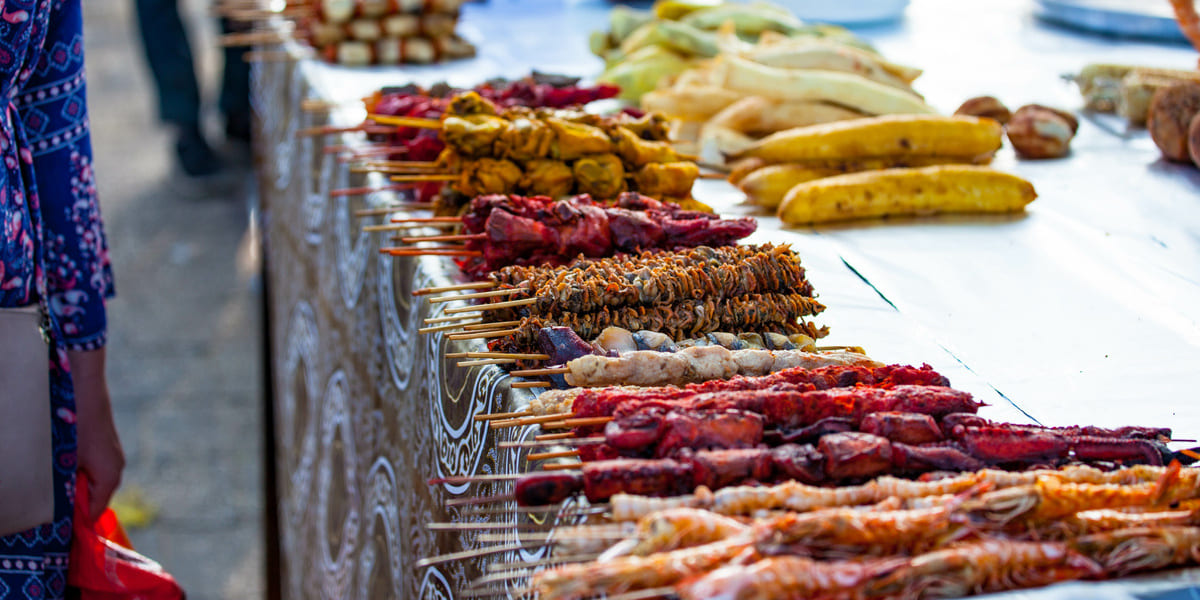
(52, 244)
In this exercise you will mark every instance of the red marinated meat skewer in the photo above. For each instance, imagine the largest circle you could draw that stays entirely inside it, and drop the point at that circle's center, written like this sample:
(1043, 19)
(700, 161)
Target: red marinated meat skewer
(538, 230)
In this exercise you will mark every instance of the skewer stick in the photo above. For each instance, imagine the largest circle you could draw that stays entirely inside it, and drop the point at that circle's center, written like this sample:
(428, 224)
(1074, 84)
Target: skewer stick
(536, 372)
(512, 355)
(478, 527)
(465, 554)
(362, 191)
(474, 285)
(482, 500)
(394, 227)
(330, 130)
(376, 167)
(429, 252)
(529, 384)
(455, 220)
(554, 436)
(549, 538)
(1190, 453)
(587, 421)
(499, 567)
(529, 420)
(448, 319)
(545, 455)
(481, 512)
(562, 466)
(712, 175)
(407, 164)
(596, 439)
(431, 177)
(457, 354)
(507, 415)
(556, 425)
(495, 325)
(481, 335)
(391, 208)
(462, 237)
(417, 122)
(498, 577)
(460, 479)
(315, 105)
(492, 306)
(487, 361)
(646, 594)
(438, 328)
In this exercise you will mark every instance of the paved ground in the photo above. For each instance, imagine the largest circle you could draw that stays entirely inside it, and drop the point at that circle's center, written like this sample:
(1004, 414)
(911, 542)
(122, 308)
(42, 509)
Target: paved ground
(184, 366)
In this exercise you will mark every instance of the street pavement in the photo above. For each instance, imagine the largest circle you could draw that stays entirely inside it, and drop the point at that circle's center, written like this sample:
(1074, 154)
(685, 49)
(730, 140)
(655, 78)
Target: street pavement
(184, 331)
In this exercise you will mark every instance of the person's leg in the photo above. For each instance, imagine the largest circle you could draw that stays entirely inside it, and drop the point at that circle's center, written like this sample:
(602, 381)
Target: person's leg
(167, 52)
(235, 89)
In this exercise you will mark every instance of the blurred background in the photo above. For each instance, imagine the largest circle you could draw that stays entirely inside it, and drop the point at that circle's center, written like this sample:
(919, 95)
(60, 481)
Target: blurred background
(184, 349)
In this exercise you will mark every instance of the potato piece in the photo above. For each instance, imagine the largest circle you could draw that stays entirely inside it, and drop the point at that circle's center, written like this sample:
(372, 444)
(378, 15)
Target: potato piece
(888, 136)
(757, 116)
(694, 103)
(831, 56)
(742, 168)
(845, 89)
(928, 190)
(767, 186)
(1171, 111)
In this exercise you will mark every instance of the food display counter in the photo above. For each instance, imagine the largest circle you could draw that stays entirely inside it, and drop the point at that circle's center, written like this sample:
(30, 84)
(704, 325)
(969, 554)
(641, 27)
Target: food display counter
(1085, 308)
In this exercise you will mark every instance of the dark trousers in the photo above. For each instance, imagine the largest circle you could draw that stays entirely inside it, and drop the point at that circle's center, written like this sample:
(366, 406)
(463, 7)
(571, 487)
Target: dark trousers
(165, 44)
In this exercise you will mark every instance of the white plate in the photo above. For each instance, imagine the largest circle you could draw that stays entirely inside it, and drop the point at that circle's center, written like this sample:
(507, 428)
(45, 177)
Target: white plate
(1130, 18)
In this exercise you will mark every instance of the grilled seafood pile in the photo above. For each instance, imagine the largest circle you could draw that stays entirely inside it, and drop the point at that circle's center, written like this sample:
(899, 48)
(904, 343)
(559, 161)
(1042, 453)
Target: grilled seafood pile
(979, 532)
(385, 32)
(519, 150)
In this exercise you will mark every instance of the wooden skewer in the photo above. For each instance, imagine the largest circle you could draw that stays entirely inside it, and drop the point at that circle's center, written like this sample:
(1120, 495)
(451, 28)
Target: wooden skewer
(430, 177)
(529, 420)
(512, 355)
(595, 439)
(455, 220)
(1190, 453)
(465, 554)
(554, 436)
(646, 594)
(397, 121)
(362, 191)
(391, 208)
(498, 416)
(487, 361)
(529, 384)
(481, 500)
(481, 335)
(545, 455)
(429, 252)
(587, 421)
(419, 251)
(552, 538)
(492, 306)
(448, 319)
(498, 567)
(330, 130)
(461, 237)
(479, 527)
(451, 355)
(712, 175)
(436, 329)
(407, 164)
(369, 153)
(494, 325)
(460, 479)
(536, 372)
(562, 466)
(474, 285)
(1178, 440)
(480, 512)
(556, 425)
(376, 167)
(395, 226)
(488, 592)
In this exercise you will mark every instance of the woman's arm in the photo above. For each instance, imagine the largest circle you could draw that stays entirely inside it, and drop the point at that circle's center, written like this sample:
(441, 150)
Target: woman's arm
(100, 452)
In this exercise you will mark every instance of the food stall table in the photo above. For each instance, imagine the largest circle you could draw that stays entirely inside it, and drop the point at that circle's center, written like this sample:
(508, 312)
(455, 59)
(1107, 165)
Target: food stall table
(1084, 309)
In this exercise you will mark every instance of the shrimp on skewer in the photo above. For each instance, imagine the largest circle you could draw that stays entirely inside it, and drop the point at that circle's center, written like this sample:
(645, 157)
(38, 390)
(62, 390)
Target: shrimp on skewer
(847, 532)
(1126, 551)
(683, 528)
(988, 565)
(631, 573)
(785, 577)
(1091, 522)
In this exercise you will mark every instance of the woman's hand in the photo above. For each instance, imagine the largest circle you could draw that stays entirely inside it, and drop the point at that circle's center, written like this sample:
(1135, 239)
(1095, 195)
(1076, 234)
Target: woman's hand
(100, 453)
